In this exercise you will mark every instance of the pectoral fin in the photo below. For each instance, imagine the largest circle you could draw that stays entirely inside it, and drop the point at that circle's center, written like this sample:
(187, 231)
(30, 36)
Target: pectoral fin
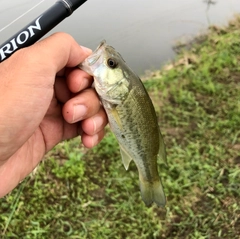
(126, 158)
(116, 117)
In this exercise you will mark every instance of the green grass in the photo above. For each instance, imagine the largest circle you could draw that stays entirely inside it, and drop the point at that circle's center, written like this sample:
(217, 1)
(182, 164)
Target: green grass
(88, 194)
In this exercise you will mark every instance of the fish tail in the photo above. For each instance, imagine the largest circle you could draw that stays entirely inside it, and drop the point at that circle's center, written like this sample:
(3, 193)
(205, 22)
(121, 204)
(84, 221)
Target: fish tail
(152, 192)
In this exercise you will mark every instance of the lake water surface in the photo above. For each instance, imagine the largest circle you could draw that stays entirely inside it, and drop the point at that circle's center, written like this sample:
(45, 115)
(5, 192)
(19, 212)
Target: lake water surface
(143, 31)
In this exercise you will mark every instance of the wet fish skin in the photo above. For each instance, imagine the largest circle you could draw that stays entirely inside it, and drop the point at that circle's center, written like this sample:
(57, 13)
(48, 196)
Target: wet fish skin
(131, 116)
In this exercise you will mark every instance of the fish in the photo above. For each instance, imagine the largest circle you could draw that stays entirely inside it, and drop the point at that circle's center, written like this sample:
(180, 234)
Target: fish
(132, 118)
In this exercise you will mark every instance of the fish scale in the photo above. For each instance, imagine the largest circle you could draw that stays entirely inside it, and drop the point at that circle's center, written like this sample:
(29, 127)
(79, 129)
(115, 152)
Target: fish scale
(142, 140)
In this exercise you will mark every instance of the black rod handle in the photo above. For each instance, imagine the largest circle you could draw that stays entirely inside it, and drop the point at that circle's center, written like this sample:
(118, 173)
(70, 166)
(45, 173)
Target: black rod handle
(39, 27)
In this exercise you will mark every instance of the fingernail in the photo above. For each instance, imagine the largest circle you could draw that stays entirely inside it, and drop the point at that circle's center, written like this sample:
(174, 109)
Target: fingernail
(94, 140)
(79, 112)
(97, 123)
(87, 50)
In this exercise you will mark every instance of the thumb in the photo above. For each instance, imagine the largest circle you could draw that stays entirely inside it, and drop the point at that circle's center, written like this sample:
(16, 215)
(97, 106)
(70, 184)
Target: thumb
(44, 59)
(59, 50)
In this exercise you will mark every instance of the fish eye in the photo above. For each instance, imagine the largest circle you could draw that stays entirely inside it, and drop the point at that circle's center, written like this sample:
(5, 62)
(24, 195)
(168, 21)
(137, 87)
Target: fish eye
(112, 63)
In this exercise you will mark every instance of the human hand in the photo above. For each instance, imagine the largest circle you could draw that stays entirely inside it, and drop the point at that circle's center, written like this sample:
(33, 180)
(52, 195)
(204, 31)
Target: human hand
(44, 100)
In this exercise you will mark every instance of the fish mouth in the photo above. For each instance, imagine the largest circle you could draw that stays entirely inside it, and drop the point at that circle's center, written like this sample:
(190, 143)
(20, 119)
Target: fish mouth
(93, 58)
(90, 64)
(103, 42)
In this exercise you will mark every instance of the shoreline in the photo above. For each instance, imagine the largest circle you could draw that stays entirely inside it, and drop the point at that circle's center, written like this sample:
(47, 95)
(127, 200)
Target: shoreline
(183, 47)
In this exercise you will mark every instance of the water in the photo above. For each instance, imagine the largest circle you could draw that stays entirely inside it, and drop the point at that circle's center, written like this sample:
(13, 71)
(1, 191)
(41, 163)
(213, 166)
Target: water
(144, 32)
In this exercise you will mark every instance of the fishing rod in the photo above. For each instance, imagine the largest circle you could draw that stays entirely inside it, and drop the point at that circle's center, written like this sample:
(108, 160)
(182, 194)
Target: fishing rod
(39, 27)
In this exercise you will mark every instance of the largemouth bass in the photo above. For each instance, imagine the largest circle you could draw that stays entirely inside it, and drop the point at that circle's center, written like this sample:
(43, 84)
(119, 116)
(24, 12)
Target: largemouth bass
(131, 116)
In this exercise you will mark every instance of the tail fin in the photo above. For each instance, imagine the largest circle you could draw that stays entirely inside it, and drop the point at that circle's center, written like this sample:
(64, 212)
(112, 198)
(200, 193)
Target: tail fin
(152, 192)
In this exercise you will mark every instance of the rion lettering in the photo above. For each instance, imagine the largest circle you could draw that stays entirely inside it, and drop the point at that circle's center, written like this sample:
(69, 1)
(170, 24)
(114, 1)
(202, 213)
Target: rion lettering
(20, 39)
